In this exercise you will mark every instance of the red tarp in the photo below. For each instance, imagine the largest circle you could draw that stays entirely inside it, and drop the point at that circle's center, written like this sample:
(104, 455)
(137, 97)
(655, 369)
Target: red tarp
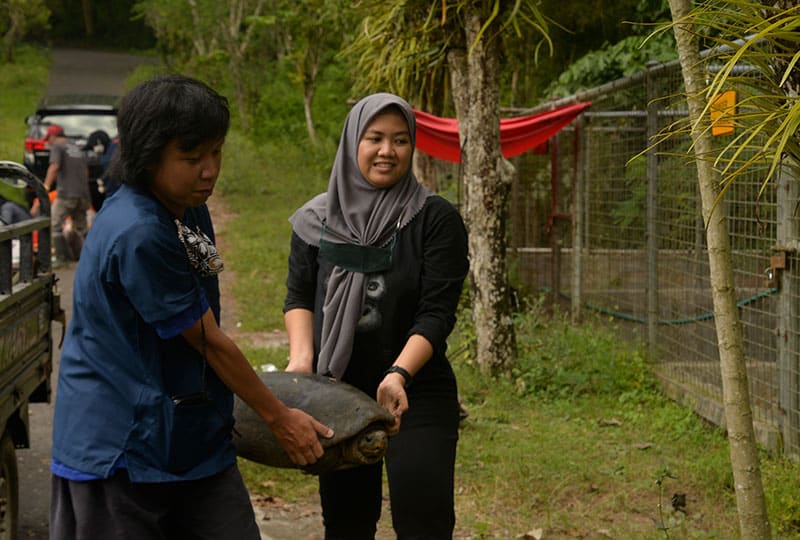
(438, 137)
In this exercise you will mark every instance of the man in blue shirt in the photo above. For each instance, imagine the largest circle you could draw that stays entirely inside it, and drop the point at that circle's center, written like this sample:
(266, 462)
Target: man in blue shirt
(143, 416)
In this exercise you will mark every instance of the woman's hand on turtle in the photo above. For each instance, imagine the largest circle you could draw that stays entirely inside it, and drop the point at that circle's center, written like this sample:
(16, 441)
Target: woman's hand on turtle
(392, 396)
(298, 433)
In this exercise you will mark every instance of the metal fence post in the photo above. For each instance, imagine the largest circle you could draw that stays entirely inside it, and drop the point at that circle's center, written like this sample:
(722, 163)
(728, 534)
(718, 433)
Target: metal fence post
(652, 212)
(787, 238)
(577, 221)
(555, 219)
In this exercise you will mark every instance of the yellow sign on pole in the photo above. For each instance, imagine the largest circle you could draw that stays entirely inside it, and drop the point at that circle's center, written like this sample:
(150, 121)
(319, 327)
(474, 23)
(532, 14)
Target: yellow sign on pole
(723, 106)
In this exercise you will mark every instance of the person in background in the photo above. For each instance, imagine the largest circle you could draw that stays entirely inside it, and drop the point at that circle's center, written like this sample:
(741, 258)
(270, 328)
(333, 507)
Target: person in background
(142, 428)
(68, 172)
(376, 269)
(97, 145)
(110, 184)
(12, 212)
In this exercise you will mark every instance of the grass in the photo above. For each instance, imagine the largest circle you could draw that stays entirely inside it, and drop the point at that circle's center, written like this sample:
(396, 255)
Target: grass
(576, 443)
(263, 185)
(22, 84)
(578, 461)
(577, 452)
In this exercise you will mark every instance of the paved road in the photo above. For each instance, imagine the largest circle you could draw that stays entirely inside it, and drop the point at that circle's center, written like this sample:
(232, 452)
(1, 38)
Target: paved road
(76, 71)
(33, 463)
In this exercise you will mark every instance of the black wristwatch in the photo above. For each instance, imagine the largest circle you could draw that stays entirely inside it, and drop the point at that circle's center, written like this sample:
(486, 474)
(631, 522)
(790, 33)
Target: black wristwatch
(402, 371)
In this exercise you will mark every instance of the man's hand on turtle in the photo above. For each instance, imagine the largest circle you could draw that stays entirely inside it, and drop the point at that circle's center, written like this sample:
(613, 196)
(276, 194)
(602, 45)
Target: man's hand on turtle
(298, 433)
(392, 396)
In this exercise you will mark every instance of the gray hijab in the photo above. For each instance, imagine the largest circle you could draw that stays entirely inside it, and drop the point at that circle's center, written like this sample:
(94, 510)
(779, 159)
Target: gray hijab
(355, 212)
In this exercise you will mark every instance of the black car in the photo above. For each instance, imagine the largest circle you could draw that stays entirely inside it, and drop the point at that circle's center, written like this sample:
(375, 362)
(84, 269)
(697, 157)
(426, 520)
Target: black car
(83, 119)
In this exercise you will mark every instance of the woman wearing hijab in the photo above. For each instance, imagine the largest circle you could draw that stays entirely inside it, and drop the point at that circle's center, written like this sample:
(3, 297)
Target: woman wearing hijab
(376, 269)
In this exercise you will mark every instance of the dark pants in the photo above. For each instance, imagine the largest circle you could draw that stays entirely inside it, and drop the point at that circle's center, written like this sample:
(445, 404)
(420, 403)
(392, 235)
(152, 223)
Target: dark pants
(214, 508)
(419, 466)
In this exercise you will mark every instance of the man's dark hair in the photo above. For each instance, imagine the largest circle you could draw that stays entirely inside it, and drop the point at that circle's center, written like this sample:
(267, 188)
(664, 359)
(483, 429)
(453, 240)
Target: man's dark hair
(158, 111)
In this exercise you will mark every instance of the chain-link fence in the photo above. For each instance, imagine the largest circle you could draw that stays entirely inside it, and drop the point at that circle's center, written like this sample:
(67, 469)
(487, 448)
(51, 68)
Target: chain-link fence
(610, 226)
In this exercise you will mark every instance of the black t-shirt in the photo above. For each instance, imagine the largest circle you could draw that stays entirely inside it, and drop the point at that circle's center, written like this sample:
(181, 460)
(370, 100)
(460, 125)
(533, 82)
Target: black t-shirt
(418, 295)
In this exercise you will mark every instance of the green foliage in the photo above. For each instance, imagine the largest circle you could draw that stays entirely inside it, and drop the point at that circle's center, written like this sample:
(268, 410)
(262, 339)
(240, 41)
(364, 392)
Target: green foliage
(578, 28)
(581, 430)
(279, 54)
(314, 31)
(18, 19)
(676, 200)
(23, 84)
(663, 475)
(576, 438)
(755, 53)
(781, 487)
(144, 72)
(401, 48)
(182, 31)
(280, 109)
(107, 25)
(582, 361)
(611, 62)
(279, 112)
(630, 212)
(262, 185)
(403, 45)
(330, 107)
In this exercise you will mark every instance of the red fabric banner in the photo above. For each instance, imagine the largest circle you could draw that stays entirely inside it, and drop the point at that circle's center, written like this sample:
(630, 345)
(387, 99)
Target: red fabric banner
(438, 137)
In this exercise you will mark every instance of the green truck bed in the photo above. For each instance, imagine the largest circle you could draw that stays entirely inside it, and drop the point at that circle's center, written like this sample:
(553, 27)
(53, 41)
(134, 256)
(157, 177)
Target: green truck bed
(29, 303)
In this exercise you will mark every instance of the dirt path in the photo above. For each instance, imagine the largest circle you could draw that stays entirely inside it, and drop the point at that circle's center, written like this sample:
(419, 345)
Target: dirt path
(78, 71)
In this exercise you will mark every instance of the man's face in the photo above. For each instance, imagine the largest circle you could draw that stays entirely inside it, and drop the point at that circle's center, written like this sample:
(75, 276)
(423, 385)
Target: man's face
(183, 179)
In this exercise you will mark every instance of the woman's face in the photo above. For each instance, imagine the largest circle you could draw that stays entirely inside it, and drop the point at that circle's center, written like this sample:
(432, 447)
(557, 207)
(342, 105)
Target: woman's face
(183, 179)
(384, 151)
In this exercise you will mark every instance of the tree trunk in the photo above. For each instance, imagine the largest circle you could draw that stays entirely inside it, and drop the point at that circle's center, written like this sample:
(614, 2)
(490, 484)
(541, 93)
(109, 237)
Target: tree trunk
(310, 73)
(88, 20)
(431, 102)
(485, 206)
(753, 520)
(425, 171)
(240, 92)
(9, 40)
(308, 100)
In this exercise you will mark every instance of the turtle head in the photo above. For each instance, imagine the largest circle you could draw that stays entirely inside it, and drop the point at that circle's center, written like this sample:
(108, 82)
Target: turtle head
(367, 447)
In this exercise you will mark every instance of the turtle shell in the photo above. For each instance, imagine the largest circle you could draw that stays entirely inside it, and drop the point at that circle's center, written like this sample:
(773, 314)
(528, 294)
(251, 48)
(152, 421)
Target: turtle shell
(358, 421)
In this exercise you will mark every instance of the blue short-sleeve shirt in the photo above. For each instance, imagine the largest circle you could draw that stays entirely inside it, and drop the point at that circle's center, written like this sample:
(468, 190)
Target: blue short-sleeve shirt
(123, 358)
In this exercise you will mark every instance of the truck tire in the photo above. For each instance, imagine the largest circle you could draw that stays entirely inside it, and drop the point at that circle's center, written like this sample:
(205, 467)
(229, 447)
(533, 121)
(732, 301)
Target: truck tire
(9, 489)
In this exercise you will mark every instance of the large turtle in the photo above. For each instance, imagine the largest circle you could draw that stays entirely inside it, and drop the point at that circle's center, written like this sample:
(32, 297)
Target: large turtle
(359, 423)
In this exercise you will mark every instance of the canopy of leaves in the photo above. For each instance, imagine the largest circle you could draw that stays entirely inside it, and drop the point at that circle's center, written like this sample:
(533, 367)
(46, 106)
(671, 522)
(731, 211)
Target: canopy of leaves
(594, 42)
(763, 70)
(403, 44)
(18, 18)
(612, 62)
(111, 24)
